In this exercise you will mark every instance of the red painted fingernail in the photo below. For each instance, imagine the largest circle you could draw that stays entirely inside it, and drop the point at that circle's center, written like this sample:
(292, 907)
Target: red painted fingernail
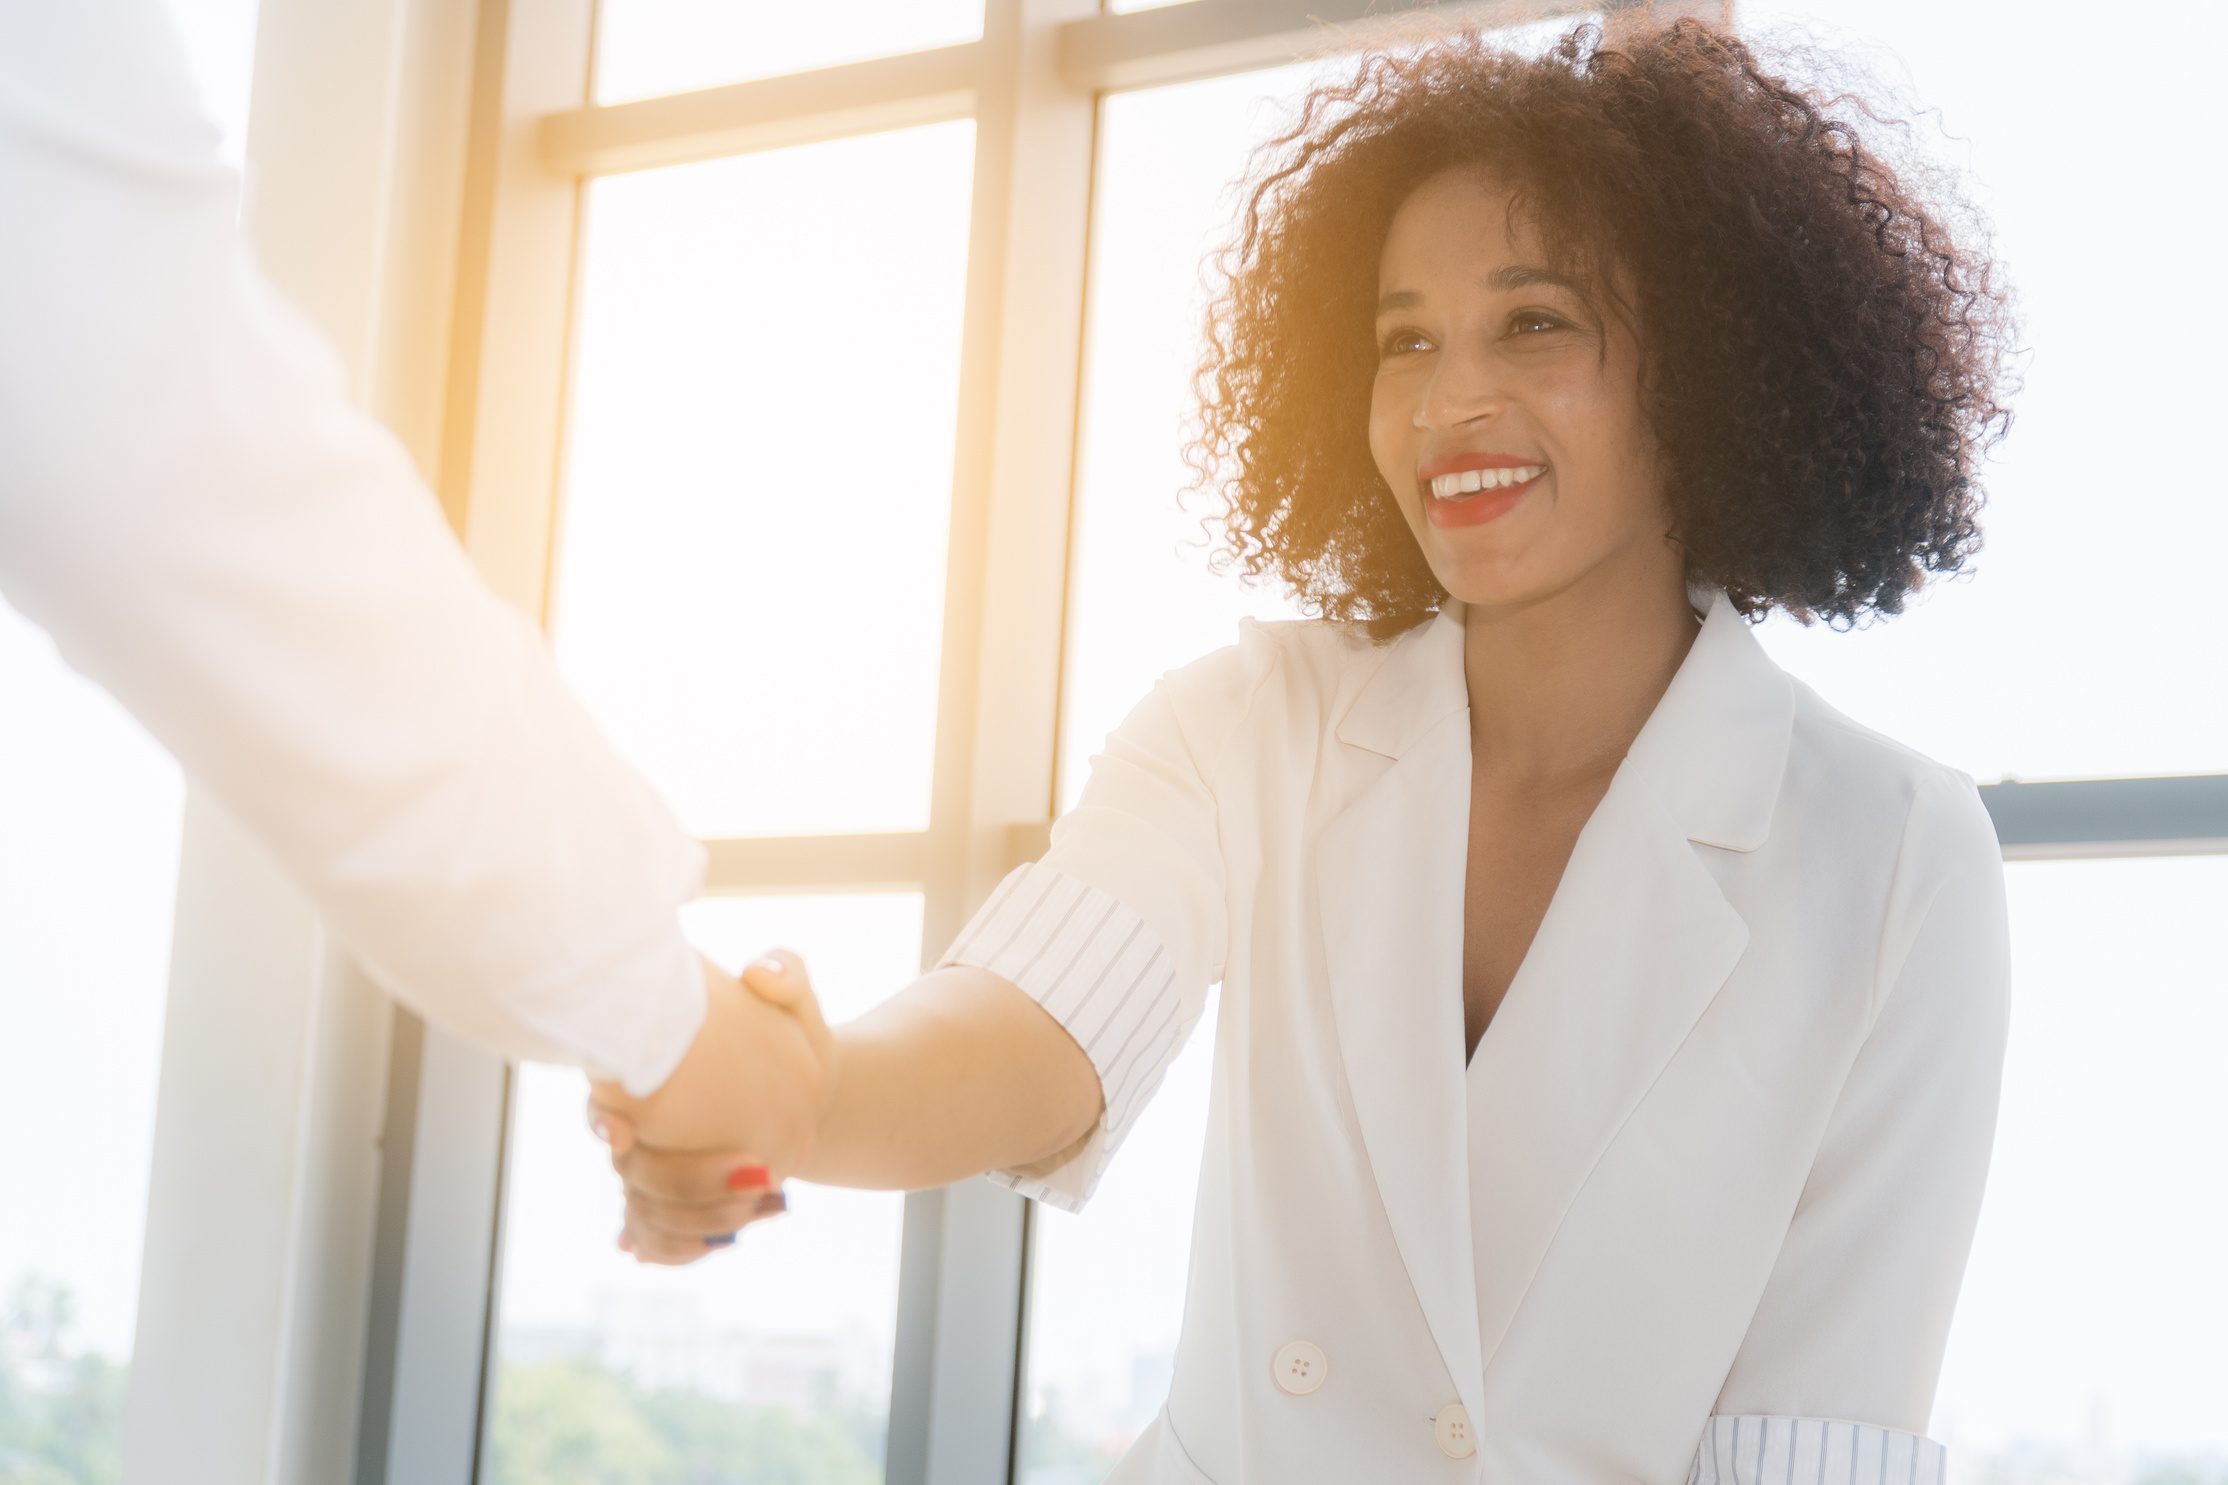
(749, 1175)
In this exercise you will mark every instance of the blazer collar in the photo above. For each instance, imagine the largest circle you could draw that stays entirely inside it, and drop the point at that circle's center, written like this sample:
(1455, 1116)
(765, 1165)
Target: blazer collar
(1713, 750)
(1716, 745)
(1417, 685)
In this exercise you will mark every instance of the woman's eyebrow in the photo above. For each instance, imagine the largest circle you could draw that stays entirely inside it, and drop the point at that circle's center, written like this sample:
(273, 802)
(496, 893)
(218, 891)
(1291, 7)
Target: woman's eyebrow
(1508, 277)
(1525, 276)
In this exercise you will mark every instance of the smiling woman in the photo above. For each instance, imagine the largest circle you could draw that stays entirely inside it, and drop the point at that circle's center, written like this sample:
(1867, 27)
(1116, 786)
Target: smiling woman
(1821, 343)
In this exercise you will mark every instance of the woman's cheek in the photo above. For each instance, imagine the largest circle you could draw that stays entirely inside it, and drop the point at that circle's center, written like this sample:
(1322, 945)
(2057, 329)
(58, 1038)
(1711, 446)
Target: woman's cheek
(1387, 446)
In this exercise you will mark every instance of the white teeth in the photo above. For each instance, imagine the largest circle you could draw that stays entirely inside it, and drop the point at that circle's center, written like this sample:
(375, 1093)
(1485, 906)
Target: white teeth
(1450, 486)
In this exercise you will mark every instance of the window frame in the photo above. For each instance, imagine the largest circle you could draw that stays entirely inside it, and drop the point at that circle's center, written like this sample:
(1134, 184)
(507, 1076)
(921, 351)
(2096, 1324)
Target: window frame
(373, 1286)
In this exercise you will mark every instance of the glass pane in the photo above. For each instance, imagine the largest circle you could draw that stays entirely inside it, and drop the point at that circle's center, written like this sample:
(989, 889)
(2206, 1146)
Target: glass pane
(2087, 1347)
(750, 587)
(2088, 642)
(1107, 1292)
(88, 875)
(770, 1361)
(648, 47)
(1167, 157)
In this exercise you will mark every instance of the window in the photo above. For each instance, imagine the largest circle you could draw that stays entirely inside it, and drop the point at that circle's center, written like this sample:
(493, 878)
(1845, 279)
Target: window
(2085, 1344)
(88, 872)
(749, 594)
(751, 567)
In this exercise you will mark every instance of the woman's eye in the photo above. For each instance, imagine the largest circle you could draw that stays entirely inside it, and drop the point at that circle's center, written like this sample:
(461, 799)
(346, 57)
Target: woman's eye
(1401, 343)
(1535, 322)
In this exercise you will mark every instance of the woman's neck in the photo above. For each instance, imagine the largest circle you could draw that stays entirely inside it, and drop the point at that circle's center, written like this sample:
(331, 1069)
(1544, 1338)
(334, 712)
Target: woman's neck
(1559, 686)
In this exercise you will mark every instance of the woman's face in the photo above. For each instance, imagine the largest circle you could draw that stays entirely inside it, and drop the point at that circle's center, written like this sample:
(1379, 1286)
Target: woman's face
(1506, 412)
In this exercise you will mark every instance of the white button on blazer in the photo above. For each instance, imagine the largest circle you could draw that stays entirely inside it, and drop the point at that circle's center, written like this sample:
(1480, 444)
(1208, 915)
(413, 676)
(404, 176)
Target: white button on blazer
(1699, 1205)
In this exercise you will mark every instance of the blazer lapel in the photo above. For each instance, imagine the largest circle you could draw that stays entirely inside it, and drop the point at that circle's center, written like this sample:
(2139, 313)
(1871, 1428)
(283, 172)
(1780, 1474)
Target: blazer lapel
(1635, 945)
(1389, 874)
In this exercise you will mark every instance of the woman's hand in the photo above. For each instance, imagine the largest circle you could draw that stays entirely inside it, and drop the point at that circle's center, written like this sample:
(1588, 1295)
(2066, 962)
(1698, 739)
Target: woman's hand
(746, 1099)
(959, 1073)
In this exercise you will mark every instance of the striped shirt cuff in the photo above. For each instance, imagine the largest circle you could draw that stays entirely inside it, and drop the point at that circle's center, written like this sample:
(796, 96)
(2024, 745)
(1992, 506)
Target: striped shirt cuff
(1752, 1450)
(1088, 959)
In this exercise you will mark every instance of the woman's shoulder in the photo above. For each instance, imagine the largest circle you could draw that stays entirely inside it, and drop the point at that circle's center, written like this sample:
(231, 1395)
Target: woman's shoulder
(1284, 678)
(1308, 652)
(1839, 766)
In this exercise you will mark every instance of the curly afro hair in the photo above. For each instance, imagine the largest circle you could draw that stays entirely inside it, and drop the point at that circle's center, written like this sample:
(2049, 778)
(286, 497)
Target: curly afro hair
(1823, 357)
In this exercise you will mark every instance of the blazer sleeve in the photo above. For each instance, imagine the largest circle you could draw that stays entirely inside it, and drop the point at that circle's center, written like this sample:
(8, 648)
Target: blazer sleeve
(1122, 927)
(1854, 1318)
(205, 525)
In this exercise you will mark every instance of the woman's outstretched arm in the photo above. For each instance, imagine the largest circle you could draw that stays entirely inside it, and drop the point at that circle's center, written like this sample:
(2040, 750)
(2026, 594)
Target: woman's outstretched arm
(959, 1073)
(1029, 1053)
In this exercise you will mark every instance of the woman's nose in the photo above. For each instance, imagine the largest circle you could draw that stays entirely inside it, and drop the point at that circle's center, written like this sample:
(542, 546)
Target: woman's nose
(1462, 389)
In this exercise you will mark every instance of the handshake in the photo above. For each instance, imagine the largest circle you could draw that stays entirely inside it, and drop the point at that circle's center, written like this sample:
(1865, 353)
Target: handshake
(959, 1073)
(705, 1155)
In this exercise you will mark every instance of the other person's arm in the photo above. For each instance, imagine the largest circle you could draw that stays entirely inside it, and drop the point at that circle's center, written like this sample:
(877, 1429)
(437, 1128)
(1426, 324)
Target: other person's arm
(205, 525)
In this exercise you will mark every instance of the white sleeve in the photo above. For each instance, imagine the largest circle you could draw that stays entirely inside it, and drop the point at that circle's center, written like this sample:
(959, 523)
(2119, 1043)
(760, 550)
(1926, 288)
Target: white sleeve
(203, 523)
(1123, 926)
(1853, 1321)
(1106, 978)
(1813, 1451)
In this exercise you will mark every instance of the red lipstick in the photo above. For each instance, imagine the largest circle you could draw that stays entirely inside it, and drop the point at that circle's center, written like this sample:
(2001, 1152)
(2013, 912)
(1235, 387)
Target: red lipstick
(1470, 489)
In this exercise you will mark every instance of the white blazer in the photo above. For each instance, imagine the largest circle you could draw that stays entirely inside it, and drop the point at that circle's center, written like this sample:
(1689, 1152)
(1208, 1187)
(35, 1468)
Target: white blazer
(1698, 1207)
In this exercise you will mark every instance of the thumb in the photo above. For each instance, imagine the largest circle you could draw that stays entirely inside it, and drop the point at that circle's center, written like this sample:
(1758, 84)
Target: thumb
(778, 978)
(612, 1127)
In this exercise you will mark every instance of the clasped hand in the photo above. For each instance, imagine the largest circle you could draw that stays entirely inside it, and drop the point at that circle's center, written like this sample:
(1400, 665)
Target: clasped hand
(705, 1155)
